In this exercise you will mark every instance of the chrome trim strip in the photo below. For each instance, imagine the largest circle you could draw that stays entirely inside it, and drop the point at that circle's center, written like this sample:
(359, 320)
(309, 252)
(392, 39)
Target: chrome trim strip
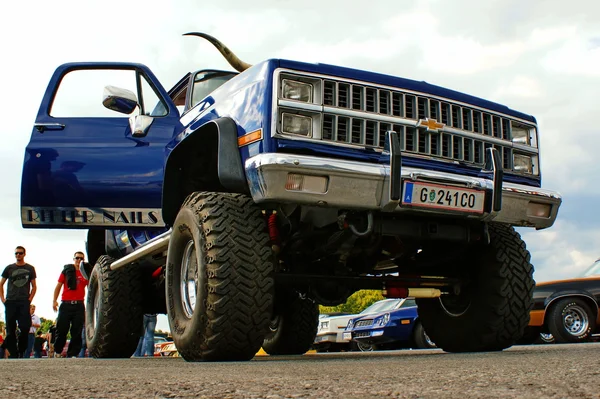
(301, 105)
(398, 121)
(364, 186)
(157, 244)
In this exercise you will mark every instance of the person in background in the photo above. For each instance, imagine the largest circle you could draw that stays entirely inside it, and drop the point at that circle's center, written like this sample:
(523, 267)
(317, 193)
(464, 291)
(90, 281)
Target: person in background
(71, 314)
(21, 289)
(2, 351)
(38, 344)
(146, 343)
(35, 324)
(83, 344)
(50, 338)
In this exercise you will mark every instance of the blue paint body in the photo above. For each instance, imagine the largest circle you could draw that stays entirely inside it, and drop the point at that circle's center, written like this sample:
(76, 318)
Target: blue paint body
(394, 331)
(95, 162)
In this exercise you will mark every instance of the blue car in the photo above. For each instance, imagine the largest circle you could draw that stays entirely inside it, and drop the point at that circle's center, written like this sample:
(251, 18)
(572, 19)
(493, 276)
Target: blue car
(395, 325)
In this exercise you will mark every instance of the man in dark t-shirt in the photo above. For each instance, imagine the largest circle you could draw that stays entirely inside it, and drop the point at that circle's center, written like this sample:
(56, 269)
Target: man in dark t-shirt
(20, 292)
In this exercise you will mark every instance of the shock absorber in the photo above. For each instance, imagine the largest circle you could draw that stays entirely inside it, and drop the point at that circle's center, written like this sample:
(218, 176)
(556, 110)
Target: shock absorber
(273, 232)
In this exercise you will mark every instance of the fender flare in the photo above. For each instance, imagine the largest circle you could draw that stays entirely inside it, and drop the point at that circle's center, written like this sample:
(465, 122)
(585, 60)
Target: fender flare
(571, 293)
(230, 170)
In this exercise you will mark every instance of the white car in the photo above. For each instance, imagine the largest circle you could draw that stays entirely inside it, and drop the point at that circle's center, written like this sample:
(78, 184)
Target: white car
(331, 329)
(329, 332)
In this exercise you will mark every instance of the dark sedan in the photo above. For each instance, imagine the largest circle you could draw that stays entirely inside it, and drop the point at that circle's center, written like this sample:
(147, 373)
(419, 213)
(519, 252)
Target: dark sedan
(566, 310)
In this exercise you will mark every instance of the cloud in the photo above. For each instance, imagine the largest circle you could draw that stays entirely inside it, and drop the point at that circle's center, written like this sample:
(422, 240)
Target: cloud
(566, 250)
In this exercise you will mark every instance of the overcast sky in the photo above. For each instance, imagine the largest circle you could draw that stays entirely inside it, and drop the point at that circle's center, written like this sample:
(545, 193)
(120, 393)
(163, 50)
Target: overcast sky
(539, 57)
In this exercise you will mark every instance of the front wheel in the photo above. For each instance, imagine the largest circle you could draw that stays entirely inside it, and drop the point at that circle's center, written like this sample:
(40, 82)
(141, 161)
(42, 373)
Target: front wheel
(113, 317)
(492, 309)
(420, 337)
(219, 278)
(571, 320)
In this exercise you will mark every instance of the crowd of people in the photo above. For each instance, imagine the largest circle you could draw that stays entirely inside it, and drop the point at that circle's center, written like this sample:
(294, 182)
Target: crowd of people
(22, 335)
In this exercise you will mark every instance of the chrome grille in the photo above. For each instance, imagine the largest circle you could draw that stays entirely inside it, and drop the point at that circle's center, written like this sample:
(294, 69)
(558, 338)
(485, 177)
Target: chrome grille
(363, 323)
(361, 334)
(383, 102)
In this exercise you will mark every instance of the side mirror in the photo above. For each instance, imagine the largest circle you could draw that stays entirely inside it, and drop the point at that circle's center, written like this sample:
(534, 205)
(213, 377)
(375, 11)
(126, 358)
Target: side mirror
(120, 100)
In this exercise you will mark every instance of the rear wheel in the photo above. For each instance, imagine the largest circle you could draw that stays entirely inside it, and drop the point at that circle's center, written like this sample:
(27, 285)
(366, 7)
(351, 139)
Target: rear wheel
(571, 320)
(492, 309)
(293, 327)
(113, 316)
(219, 278)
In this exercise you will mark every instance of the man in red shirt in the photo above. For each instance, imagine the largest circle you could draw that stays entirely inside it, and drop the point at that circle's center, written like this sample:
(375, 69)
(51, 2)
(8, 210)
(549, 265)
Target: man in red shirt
(71, 314)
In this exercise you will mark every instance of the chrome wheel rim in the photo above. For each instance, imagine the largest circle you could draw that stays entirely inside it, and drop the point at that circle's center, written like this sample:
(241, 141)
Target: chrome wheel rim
(364, 347)
(96, 316)
(428, 340)
(547, 337)
(576, 321)
(455, 305)
(189, 279)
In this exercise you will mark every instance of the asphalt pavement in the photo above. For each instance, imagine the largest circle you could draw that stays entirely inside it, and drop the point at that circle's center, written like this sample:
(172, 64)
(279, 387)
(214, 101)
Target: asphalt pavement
(540, 371)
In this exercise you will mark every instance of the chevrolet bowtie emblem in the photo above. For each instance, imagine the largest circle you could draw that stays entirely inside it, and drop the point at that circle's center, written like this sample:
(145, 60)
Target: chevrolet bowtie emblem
(431, 124)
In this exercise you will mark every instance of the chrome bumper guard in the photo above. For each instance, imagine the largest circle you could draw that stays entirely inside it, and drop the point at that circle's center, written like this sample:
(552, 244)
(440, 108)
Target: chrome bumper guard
(364, 186)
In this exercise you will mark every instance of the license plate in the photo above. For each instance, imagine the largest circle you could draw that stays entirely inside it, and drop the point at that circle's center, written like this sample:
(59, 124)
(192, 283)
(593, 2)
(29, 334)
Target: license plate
(347, 336)
(437, 196)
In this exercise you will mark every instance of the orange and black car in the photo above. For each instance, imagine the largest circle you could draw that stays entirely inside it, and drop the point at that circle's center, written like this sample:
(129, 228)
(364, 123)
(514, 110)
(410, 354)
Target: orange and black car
(566, 310)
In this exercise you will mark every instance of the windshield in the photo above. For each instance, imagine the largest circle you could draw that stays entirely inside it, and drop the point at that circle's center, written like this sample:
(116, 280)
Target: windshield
(380, 306)
(593, 270)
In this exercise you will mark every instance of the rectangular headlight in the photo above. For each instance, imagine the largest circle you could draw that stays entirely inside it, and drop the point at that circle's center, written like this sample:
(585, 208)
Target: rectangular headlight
(520, 135)
(298, 91)
(296, 124)
(522, 163)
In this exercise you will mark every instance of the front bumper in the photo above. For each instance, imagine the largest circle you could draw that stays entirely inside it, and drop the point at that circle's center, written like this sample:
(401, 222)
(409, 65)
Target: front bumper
(365, 186)
(330, 338)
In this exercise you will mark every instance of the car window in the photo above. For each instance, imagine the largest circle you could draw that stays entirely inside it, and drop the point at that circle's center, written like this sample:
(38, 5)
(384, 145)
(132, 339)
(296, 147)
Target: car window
(593, 270)
(205, 82)
(381, 306)
(408, 303)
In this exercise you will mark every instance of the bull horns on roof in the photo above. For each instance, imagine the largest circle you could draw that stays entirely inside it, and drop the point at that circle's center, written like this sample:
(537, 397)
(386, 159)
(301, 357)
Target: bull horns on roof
(233, 60)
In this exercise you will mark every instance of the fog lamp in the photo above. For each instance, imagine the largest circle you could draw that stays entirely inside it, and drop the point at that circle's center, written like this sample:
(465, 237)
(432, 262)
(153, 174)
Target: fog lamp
(306, 183)
(539, 210)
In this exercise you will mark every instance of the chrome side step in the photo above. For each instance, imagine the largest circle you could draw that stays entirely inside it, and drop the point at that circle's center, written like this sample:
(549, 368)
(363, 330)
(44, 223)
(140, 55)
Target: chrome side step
(153, 247)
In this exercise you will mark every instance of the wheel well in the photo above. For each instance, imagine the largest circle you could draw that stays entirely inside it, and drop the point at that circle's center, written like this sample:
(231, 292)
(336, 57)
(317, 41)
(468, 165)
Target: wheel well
(95, 245)
(191, 166)
(589, 301)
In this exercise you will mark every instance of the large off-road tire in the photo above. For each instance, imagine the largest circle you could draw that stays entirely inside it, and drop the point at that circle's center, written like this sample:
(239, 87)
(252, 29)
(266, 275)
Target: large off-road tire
(219, 278)
(570, 320)
(293, 327)
(113, 317)
(492, 309)
(420, 338)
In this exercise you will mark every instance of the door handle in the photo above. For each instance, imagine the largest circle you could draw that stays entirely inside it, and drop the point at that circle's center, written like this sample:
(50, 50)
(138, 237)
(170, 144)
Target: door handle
(42, 127)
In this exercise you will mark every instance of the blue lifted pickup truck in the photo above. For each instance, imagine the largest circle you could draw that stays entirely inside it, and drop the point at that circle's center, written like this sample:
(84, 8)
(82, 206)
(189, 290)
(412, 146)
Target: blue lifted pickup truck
(236, 202)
